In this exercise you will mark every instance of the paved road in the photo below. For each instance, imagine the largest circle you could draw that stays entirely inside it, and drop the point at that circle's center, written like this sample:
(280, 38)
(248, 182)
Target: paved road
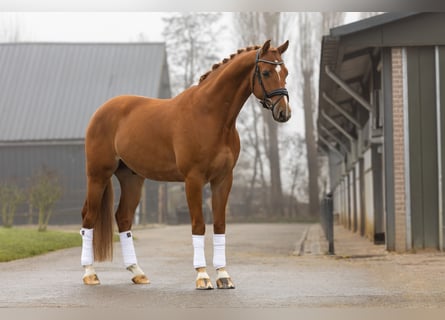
(262, 263)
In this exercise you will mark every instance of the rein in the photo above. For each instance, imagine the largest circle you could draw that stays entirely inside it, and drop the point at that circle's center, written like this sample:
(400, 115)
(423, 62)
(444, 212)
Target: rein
(266, 102)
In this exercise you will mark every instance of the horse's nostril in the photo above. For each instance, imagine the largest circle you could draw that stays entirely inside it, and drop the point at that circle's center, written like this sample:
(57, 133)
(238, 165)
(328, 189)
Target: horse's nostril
(283, 116)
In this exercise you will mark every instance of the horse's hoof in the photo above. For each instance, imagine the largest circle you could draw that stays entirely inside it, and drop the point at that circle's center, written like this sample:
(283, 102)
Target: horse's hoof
(223, 280)
(140, 279)
(204, 284)
(203, 280)
(91, 279)
(139, 275)
(225, 283)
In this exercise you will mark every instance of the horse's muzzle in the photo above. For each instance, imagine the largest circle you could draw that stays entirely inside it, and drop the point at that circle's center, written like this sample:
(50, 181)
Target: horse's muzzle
(281, 111)
(283, 117)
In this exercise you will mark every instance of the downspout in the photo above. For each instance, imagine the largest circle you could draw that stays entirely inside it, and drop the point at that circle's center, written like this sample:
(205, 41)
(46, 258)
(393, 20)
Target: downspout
(439, 147)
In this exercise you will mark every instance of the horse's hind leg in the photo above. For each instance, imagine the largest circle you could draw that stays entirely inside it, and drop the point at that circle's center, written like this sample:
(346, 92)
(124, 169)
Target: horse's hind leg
(87, 257)
(96, 214)
(131, 186)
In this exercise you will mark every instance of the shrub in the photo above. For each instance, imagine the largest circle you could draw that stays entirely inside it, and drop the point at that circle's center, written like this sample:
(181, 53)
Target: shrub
(45, 190)
(10, 197)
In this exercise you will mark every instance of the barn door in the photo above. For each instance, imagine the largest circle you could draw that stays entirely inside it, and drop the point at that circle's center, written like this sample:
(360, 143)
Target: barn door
(423, 164)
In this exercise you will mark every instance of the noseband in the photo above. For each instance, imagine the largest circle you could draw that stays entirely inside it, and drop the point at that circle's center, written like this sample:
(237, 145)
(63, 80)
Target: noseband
(266, 102)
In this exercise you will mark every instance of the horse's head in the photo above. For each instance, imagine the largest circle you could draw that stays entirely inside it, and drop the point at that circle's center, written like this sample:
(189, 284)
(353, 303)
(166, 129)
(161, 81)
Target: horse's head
(269, 80)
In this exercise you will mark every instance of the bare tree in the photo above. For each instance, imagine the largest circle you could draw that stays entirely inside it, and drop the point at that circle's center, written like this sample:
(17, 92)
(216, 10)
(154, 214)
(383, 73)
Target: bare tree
(255, 28)
(307, 70)
(294, 167)
(250, 122)
(272, 23)
(253, 149)
(191, 46)
(311, 27)
(11, 196)
(44, 192)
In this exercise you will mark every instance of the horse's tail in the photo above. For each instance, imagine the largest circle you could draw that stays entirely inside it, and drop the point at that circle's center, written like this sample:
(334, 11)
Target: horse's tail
(103, 228)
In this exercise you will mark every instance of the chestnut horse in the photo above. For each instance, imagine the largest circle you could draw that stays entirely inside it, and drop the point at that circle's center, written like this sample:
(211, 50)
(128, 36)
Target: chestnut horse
(192, 138)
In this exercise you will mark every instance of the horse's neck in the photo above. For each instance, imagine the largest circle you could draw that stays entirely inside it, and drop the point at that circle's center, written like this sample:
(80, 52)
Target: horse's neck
(228, 90)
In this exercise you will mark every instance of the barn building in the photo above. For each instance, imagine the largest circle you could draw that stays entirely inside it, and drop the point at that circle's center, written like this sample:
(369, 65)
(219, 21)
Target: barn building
(381, 123)
(49, 92)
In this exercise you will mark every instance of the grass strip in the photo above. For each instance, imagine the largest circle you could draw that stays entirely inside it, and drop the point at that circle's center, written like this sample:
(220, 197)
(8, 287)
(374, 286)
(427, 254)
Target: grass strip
(19, 243)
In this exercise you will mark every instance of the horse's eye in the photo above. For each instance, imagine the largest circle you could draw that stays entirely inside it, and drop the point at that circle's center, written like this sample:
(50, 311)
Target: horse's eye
(266, 73)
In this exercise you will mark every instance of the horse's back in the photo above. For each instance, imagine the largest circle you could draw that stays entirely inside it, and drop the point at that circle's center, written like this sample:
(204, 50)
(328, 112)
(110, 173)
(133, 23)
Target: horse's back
(109, 116)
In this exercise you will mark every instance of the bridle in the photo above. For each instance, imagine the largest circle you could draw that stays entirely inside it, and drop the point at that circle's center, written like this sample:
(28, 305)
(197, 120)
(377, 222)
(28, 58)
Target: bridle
(266, 102)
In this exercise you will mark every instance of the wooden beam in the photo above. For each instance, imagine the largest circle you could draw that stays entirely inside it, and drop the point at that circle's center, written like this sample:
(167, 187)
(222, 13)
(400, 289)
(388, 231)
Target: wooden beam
(337, 126)
(341, 110)
(348, 89)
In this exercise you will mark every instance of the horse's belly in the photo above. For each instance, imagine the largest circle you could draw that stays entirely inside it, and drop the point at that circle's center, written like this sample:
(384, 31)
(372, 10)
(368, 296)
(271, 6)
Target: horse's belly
(153, 158)
(163, 175)
(154, 168)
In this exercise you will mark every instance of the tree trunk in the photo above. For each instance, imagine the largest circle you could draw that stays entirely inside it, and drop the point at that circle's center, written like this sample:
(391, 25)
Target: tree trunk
(276, 193)
(311, 146)
(272, 27)
(162, 202)
(49, 213)
(41, 220)
(257, 27)
(252, 141)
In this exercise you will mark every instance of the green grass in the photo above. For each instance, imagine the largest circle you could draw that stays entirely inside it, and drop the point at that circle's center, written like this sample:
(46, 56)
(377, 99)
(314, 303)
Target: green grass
(18, 243)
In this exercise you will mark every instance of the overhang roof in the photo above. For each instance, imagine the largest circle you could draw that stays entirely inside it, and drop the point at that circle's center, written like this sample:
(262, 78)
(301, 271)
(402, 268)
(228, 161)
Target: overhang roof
(351, 51)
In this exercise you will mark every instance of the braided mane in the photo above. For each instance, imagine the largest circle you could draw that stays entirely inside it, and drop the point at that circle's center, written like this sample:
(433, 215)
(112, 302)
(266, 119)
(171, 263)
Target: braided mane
(217, 65)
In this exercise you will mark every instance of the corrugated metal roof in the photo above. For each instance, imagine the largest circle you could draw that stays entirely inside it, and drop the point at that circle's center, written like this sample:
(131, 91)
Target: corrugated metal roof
(48, 91)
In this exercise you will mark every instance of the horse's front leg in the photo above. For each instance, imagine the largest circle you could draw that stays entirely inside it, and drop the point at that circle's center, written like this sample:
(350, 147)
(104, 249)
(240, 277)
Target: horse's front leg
(220, 194)
(193, 190)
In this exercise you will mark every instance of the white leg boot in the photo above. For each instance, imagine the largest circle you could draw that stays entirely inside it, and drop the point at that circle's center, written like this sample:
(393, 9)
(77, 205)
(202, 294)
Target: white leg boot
(199, 263)
(223, 280)
(130, 260)
(87, 257)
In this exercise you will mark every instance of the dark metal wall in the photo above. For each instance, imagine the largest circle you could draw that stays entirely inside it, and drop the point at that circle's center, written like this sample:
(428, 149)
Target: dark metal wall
(18, 163)
(441, 88)
(388, 149)
(423, 164)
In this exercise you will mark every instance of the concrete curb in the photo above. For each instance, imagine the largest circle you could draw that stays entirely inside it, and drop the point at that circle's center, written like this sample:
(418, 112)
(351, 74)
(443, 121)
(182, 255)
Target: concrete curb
(311, 242)
(299, 245)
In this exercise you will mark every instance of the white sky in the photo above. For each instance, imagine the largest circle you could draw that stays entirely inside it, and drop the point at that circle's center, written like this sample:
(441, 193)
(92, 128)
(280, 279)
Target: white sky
(87, 26)
(91, 26)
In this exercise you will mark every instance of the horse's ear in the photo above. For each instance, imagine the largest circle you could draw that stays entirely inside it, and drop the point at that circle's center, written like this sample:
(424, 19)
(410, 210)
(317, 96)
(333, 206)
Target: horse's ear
(283, 47)
(265, 47)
